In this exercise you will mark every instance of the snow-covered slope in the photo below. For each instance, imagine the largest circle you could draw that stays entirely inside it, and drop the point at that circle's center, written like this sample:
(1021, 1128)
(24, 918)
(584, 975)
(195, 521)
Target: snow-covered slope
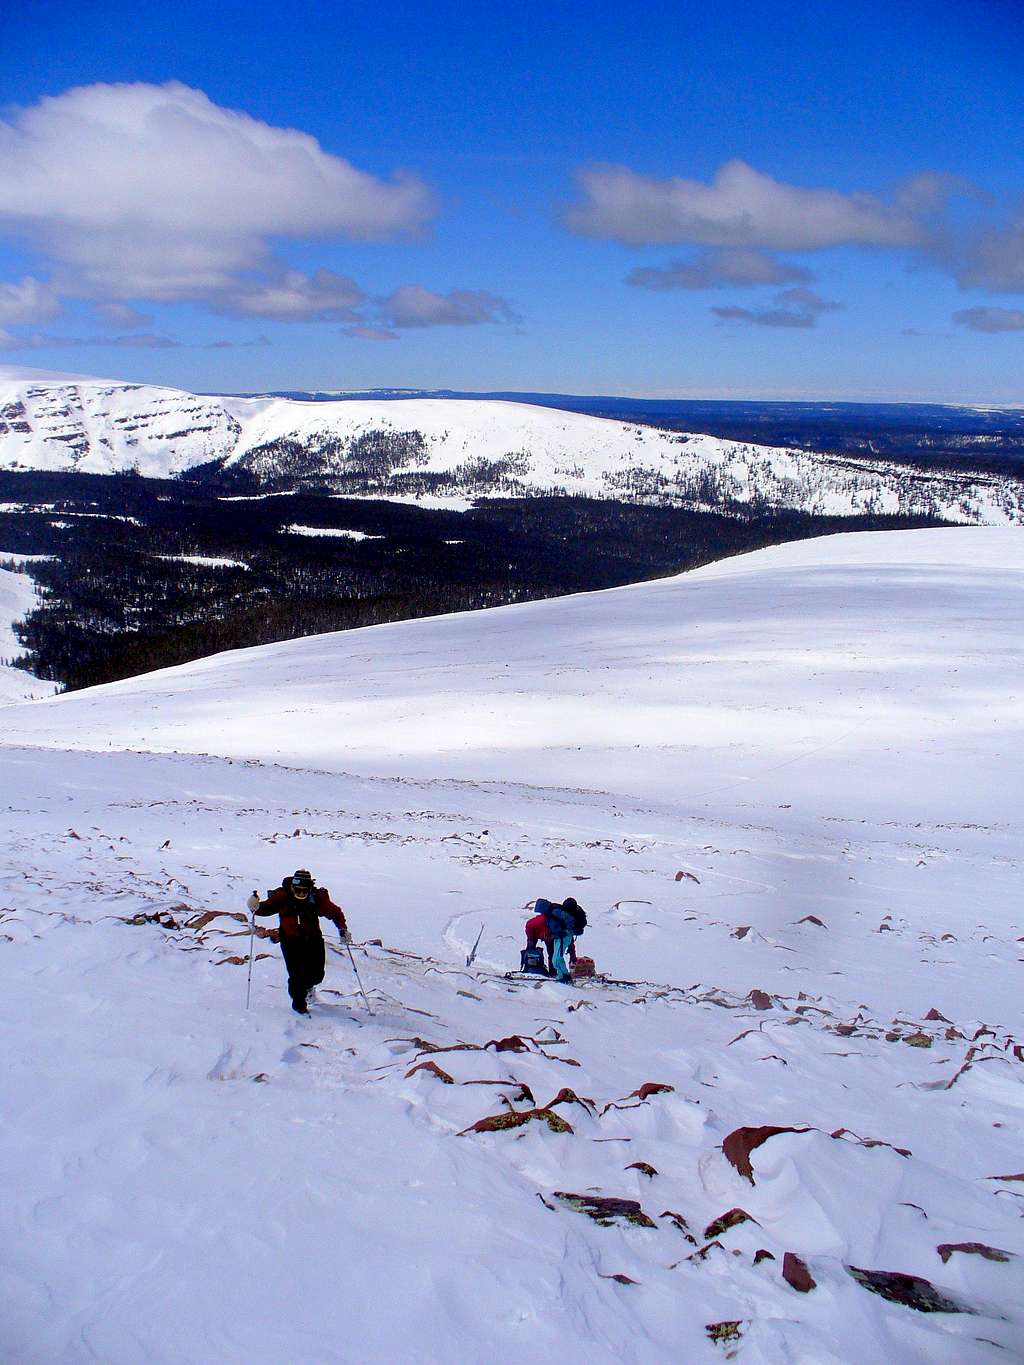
(18, 596)
(451, 448)
(787, 788)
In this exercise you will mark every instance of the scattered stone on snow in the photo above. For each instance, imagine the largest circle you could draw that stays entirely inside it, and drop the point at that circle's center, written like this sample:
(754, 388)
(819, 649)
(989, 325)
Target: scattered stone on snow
(762, 1255)
(918, 1039)
(724, 1333)
(812, 919)
(973, 1249)
(934, 1015)
(433, 1069)
(517, 1118)
(619, 1278)
(726, 1221)
(796, 1274)
(760, 1000)
(742, 1141)
(605, 1210)
(913, 1291)
(680, 1223)
(644, 1167)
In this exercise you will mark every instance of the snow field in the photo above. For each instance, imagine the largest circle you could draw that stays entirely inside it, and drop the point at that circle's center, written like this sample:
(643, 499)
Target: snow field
(825, 730)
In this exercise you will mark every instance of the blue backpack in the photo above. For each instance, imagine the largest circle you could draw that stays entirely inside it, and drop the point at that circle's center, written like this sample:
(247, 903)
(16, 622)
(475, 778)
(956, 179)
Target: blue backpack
(560, 922)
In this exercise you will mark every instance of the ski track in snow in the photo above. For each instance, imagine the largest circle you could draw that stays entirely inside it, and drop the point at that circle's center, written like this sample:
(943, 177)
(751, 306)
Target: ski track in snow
(188, 1181)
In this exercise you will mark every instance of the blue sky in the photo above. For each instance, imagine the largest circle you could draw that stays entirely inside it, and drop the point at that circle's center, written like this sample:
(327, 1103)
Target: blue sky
(750, 200)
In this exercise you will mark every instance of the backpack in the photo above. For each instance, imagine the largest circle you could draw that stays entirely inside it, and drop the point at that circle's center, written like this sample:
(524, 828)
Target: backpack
(579, 919)
(532, 960)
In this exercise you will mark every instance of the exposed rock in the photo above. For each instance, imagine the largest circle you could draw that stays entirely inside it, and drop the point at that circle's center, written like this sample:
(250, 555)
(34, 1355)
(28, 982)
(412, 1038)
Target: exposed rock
(680, 1223)
(742, 1141)
(433, 1069)
(644, 1167)
(934, 1015)
(499, 1123)
(619, 1278)
(973, 1249)
(812, 919)
(644, 1093)
(796, 1274)
(605, 1210)
(870, 1142)
(760, 1000)
(722, 1333)
(515, 1043)
(918, 1039)
(913, 1291)
(726, 1221)
(741, 932)
(762, 1255)
(1018, 1176)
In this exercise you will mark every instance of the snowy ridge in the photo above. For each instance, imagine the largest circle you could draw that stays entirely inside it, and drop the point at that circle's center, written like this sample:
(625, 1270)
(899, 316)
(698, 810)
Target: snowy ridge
(448, 449)
(787, 788)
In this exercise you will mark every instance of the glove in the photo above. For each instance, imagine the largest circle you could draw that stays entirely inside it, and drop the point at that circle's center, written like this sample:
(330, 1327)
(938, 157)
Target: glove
(346, 937)
(253, 903)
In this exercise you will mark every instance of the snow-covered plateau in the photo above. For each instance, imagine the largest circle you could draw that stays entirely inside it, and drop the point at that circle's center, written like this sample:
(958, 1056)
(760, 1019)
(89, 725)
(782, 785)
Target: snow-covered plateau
(787, 788)
(446, 450)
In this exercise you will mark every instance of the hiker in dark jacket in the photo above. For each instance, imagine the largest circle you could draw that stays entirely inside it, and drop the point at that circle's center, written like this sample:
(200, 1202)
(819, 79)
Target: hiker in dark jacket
(300, 905)
(563, 923)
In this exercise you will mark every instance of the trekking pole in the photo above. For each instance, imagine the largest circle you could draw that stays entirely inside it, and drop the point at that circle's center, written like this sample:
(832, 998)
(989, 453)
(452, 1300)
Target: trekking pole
(252, 935)
(358, 981)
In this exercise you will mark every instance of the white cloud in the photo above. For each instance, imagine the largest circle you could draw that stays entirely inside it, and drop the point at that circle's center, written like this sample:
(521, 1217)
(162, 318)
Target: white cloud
(995, 259)
(710, 269)
(293, 296)
(741, 207)
(414, 306)
(28, 302)
(154, 192)
(991, 319)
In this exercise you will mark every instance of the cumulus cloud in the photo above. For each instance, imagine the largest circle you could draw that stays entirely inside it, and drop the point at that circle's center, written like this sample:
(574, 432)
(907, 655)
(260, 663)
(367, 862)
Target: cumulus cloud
(28, 302)
(710, 269)
(991, 319)
(140, 191)
(741, 207)
(995, 259)
(293, 296)
(414, 306)
(792, 308)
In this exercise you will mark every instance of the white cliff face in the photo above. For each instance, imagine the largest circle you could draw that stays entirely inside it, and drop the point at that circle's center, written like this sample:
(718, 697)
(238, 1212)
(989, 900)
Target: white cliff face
(451, 449)
(102, 428)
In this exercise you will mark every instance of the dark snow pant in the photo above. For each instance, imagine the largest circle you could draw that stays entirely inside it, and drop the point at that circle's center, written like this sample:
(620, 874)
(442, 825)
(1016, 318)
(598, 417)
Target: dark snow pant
(305, 957)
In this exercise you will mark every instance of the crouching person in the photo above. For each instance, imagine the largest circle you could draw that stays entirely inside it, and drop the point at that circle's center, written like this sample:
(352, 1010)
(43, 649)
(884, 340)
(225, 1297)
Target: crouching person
(561, 926)
(300, 905)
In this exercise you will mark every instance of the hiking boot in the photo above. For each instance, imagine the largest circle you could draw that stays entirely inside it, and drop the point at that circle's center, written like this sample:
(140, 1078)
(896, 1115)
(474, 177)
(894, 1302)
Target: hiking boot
(311, 998)
(299, 1006)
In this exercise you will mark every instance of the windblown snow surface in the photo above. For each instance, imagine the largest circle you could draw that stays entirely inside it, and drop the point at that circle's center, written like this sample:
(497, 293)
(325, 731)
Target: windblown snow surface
(787, 789)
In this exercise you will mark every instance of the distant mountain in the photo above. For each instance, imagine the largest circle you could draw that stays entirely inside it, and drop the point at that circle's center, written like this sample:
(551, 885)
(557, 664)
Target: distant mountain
(447, 450)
